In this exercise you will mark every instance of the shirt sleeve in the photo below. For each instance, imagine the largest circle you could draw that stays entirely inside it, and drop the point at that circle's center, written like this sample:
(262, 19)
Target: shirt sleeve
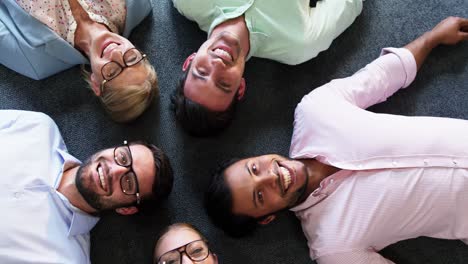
(8, 118)
(137, 10)
(394, 69)
(354, 257)
(11, 55)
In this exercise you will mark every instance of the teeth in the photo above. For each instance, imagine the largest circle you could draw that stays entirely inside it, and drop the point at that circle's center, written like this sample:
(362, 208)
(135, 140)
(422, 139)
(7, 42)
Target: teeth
(101, 177)
(286, 177)
(110, 47)
(223, 53)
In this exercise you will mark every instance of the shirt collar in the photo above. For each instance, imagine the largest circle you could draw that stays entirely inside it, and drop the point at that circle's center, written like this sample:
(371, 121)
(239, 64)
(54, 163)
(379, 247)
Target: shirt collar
(326, 188)
(81, 222)
(223, 14)
(256, 38)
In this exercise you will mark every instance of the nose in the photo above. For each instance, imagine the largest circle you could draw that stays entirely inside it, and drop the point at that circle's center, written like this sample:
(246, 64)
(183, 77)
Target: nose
(117, 171)
(186, 259)
(267, 179)
(117, 55)
(218, 64)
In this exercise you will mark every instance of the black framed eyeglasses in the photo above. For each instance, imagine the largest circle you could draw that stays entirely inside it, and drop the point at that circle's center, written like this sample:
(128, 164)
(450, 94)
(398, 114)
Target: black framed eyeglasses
(112, 69)
(196, 250)
(128, 181)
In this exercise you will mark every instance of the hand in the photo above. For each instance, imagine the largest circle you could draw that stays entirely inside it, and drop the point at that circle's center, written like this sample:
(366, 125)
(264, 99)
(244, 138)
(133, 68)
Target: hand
(450, 31)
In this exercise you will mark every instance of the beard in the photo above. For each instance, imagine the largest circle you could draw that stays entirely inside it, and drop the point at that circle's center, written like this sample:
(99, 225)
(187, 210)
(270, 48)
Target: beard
(92, 198)
(299, 195)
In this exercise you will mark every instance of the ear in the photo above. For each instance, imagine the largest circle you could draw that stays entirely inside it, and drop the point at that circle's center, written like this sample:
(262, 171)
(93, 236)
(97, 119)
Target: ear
(95, 85)
(267, 220)
(215, 258)
(241, 90)
(188, 60)
(127, 210)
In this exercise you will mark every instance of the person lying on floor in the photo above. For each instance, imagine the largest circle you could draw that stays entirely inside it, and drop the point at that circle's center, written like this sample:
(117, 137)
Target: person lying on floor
(53, 200)
(38, 41)
(289, 32)
(358, 181)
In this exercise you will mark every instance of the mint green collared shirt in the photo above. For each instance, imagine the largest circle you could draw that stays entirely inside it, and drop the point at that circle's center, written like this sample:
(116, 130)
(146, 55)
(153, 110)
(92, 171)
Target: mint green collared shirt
(290, 31)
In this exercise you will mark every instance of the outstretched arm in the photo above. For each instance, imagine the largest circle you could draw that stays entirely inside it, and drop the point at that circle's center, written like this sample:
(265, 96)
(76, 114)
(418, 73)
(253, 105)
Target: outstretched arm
(397, 68)
(449, 31)
(354, 257)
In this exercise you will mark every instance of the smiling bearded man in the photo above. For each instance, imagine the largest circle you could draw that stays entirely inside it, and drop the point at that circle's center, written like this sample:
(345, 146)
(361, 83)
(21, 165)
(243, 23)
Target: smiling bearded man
(53, 201)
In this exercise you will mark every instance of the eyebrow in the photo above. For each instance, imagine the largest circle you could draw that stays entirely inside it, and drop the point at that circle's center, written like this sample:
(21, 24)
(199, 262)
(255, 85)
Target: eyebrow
(199, 77)
(253, 191)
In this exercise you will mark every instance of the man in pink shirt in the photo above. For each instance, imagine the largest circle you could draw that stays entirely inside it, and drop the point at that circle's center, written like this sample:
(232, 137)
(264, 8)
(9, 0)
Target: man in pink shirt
(358, 181)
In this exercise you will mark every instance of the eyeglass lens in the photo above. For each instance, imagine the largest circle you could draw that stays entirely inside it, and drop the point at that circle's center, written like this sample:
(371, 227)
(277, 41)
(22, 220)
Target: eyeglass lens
(111, 69)
(196, 251)
(123, 158)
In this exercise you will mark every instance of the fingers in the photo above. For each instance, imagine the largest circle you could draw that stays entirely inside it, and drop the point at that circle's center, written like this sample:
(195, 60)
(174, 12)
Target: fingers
(464, 35)
(464, 24)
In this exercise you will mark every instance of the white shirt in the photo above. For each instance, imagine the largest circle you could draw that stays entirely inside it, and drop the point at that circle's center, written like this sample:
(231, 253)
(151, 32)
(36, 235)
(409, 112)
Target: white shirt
(38, 224)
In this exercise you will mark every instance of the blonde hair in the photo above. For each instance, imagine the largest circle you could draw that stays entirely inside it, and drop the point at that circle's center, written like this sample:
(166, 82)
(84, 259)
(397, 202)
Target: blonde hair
(127, 103)
(176, 226)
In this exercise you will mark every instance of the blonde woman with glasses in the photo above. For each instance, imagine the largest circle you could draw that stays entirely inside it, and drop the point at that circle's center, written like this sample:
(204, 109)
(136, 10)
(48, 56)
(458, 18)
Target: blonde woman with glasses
(183, 243)
(39, 38)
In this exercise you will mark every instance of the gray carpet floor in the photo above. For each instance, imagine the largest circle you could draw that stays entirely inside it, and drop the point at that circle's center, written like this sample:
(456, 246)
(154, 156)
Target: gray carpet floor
(263, 125)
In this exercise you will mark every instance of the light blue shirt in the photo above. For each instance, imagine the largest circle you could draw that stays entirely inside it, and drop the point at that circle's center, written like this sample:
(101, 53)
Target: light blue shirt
(32, 49)
(38, 224)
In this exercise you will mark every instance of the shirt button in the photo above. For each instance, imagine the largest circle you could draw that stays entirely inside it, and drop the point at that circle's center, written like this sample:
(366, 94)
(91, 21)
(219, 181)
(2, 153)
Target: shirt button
(394, 163)
(454, 162)
(316, 192)
(426, 162)
(332, 180)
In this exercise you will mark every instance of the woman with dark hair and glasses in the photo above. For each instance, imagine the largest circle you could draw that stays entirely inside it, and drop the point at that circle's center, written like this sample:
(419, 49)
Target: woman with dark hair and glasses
(183, 243)
(39, 38)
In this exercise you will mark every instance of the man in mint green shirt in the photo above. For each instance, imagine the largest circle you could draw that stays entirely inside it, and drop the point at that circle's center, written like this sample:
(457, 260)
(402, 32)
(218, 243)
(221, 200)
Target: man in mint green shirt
(290, 32)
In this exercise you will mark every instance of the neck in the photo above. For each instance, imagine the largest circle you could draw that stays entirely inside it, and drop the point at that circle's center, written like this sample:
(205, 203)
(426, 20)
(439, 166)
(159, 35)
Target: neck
(67, 187)
(238, 27)
(316, 172)
(86, 29)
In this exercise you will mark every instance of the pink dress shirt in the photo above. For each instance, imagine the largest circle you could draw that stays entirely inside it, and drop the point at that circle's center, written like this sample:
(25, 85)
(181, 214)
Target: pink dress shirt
(402, 177)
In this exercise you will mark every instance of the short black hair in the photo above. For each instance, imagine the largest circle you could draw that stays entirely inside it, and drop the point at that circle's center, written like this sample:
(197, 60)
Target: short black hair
(218, 204)
(163, 179)
(196, 119)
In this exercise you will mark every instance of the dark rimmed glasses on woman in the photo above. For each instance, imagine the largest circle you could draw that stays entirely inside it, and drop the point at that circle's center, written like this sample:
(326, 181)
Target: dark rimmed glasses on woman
(128, 181)
(196, 250)
(112, 69)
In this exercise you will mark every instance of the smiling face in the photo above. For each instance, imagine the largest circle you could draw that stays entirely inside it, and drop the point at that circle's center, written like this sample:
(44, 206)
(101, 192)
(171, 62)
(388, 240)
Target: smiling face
(215, 75)
(108, 47)
(98, 179)
(266, 184)
(178, 236)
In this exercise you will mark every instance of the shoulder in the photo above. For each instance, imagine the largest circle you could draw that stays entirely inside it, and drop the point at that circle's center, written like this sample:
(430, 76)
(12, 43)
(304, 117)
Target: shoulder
(27, 120)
